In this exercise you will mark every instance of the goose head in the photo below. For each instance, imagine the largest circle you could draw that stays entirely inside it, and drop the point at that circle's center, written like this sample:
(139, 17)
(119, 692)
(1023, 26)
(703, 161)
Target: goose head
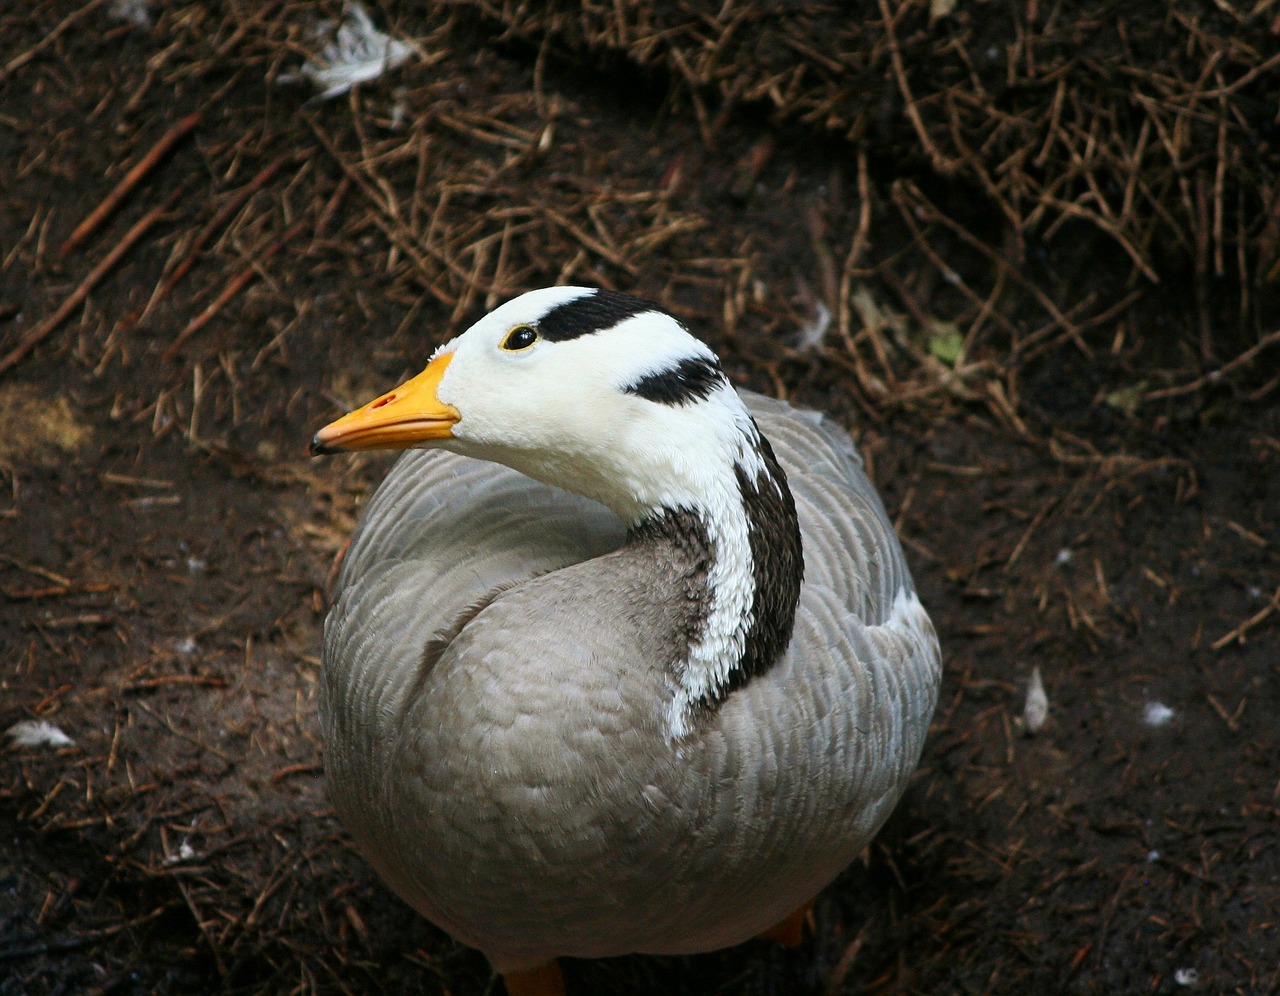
(592, 391)
(608, 396)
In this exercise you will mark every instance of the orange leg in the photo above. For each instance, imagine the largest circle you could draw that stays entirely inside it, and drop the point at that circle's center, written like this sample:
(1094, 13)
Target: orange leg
(545, 980)
(790, 932)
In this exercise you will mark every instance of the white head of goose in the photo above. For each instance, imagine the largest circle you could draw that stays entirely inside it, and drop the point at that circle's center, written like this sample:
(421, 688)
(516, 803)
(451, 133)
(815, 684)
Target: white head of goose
(583, 693)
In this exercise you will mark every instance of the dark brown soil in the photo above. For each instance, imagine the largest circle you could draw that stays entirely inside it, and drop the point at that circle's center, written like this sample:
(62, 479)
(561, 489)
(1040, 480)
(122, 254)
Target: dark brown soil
(1085, 474)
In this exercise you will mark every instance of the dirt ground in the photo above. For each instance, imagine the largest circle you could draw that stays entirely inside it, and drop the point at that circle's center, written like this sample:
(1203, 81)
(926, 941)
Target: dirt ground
(1086, 491)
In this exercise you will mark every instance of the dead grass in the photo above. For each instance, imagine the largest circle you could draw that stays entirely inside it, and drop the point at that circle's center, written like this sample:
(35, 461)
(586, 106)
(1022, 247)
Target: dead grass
(1146, 126)
(1032, 256)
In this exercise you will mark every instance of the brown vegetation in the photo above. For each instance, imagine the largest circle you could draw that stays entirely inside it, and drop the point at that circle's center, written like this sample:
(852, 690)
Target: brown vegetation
(1030, 256)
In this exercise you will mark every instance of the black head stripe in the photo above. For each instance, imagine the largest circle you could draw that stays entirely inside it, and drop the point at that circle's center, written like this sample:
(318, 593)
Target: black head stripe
(693, 379)
(590, 313)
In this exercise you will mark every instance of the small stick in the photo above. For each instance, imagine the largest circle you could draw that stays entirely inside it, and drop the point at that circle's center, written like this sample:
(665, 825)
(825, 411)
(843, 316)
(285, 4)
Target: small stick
(54, 591)
(234, 203)
(36, 569)
(1036, 522)
(131, 179)
(234, 286)
(1243, 81)
(1225, 716)
(835, 983)
(1270, 339)
(289, 770)
(204, 680)
(77, 297)
(331, 206)
(1239, 632)
(331, 578)
(941, 163)
(22, 58)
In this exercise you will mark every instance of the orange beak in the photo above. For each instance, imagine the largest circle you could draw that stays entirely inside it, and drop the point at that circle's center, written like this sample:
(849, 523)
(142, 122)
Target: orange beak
(398, 420)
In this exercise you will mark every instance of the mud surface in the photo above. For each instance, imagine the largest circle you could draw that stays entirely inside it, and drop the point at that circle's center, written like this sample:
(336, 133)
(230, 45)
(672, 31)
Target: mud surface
(166, 546)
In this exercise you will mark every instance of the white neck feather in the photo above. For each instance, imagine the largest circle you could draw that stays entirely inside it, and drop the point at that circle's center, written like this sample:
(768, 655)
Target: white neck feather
(731, 584)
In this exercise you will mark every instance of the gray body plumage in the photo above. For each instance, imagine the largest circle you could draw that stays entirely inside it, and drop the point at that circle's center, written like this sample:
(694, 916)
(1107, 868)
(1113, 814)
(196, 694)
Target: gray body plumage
(495, 681)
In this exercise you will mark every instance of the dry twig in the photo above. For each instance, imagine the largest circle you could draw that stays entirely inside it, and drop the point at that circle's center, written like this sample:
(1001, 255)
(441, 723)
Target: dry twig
(77, 297)
(131, 179)
(233, 287)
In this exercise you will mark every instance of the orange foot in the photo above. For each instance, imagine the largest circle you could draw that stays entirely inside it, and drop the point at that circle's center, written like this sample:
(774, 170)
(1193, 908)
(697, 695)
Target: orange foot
(790, 932)
(545, 980)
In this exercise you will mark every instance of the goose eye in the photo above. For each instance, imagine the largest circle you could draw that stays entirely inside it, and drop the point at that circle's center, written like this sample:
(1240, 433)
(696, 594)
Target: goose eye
(520, 337)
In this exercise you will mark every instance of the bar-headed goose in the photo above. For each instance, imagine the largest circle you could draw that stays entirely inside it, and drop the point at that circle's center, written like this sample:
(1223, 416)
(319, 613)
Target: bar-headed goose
(624, 661)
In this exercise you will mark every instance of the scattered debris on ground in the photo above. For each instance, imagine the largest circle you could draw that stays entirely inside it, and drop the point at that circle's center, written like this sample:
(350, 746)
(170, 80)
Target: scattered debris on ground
(1030, 258)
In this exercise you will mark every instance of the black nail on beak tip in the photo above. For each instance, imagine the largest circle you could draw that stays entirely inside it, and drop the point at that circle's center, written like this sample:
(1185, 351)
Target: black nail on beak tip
(318, 448)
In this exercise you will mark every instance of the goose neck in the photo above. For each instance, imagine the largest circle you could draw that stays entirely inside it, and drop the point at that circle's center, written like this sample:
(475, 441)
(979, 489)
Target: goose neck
(735, 550)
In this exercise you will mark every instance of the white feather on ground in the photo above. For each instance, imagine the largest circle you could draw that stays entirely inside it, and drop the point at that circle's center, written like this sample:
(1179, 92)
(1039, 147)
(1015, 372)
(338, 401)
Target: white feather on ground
(1036, 710)
(38, 733)
(359, 52)
(135, 12)
(1157, 714)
